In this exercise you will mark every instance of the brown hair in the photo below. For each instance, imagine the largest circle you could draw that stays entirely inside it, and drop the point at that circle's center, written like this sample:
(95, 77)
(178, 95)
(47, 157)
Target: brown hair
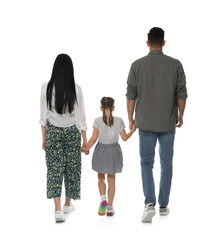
(107, 103)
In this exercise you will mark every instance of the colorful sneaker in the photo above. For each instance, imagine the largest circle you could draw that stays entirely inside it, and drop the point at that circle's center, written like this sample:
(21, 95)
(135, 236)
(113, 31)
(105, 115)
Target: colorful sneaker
(102, 207)
(67, 209)
(148, 213)
(163, 211)
(110, 211)
(59, 216)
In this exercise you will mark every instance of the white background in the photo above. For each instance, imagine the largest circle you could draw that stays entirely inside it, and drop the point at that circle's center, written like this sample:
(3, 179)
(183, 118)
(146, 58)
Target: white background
(103, 38)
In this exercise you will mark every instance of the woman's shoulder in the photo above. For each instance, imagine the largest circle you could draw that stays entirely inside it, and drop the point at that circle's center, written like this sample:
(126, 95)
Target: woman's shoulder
(44, 87)
(78, 88)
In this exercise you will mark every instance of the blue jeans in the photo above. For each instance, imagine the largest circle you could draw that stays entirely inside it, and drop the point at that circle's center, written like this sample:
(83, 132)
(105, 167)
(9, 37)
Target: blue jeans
(147, 143)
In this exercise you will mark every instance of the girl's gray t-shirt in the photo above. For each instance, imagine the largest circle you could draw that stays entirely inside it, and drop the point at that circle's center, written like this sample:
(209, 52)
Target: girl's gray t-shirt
(107, 134)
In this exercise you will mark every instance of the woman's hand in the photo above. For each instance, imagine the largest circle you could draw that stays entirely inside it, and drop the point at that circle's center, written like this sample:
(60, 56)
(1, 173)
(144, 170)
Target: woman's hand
(85, 149)
(84, 143)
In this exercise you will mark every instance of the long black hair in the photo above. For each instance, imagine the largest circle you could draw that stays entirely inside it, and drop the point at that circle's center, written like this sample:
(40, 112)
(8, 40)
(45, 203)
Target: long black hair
(62, 79)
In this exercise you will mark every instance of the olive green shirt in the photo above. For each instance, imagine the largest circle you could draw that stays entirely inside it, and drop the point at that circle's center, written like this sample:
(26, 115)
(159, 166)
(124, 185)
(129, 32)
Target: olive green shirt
(156, 82)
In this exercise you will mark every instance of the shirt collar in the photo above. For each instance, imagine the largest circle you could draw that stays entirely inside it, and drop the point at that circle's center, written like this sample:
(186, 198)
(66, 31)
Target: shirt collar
(156, 52)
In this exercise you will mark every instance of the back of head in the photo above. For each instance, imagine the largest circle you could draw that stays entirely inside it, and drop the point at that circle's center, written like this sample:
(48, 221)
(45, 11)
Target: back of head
(156, 37)
(107, 103)
(63, 80)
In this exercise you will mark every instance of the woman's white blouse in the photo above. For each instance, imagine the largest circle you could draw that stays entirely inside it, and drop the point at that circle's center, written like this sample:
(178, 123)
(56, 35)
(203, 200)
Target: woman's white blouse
(77, 116)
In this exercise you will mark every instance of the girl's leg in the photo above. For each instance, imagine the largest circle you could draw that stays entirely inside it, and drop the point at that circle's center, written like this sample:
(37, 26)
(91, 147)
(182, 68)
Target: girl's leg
(102, 190)
(57, 201)
(101, 183)
(111, 188)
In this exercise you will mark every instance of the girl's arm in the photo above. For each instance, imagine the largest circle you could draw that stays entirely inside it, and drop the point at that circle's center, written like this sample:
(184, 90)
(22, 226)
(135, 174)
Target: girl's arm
(125, 136)
(92, 140)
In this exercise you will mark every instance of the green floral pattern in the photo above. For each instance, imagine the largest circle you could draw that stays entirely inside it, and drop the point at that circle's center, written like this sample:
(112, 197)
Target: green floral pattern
(63, 160)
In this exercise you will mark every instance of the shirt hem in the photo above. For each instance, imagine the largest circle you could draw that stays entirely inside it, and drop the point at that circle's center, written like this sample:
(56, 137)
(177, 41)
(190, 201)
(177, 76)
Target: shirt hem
(156, 130)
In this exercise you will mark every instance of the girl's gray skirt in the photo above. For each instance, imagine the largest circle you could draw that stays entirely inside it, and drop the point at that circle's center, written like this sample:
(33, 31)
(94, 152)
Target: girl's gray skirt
(107, 158)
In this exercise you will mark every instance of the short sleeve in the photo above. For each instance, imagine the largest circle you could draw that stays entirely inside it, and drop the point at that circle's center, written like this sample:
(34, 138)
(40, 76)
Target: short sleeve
(121, 125)
(96, 124)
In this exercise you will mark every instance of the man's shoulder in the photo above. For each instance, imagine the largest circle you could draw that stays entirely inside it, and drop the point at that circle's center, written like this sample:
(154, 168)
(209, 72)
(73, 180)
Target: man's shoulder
(140, 60)
(147, 58)
(172, 59)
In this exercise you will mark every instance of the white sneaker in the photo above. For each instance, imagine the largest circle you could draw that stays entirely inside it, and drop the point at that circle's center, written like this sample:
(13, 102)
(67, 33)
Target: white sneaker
(148, 214)
(67, 209)
(164, 211)
(59, 216)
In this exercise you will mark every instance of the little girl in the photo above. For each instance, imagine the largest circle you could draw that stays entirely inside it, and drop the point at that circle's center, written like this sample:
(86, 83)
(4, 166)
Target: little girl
(107, 157)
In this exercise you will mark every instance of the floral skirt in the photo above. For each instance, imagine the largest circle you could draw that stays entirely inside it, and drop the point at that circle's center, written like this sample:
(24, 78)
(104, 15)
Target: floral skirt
(63, 160)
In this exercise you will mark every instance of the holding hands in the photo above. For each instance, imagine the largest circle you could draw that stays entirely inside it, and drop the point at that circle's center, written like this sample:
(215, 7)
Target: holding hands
(85, 149)
(132, 125)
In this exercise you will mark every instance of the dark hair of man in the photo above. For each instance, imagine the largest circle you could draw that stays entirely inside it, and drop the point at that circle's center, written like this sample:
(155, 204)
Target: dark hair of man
(156, 37)
(107, 103)
(62, 79)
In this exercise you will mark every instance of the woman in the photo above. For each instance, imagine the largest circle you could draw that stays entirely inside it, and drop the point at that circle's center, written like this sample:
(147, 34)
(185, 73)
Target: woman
(62, 119)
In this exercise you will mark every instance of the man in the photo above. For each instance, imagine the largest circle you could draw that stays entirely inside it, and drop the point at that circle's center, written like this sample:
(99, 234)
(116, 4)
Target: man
(157, 84)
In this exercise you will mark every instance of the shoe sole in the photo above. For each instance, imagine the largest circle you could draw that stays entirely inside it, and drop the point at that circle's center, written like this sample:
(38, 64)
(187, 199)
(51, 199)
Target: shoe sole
(60, 220)
(148, 217)
(110, 214)
(67, 211)
(164, 214)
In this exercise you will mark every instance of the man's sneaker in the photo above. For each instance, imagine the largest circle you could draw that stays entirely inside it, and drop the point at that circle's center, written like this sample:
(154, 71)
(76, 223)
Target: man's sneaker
(148, 214)
(163, 211)
(110, 211)
(67, 209)
(102, 207)
(59, 216)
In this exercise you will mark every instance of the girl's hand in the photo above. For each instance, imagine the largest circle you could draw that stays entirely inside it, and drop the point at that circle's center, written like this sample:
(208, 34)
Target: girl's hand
(43, 145)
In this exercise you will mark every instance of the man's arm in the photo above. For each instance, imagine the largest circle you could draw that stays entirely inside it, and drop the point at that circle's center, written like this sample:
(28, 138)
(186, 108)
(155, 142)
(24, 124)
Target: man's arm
(181, 106)
(131, 95)
(181, 93)
(130, 111)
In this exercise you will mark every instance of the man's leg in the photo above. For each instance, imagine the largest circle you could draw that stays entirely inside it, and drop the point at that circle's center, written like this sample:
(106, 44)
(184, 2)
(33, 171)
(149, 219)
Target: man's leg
(147, 143)
(166, 142)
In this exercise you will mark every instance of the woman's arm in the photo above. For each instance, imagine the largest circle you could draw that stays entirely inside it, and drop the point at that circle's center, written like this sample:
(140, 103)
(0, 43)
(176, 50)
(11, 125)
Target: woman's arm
(92, 140)
(125, 136)
(84, 141)
(43, 136)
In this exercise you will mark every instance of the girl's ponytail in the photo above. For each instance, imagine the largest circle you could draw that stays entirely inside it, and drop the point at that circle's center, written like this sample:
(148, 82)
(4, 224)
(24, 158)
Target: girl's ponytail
(107, 103)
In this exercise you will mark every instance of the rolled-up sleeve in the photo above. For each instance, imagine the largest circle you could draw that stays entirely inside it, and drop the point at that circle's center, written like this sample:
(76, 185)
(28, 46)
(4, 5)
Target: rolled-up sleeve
(181, 90)
(83, 124)
(131, 85)
(43, 109)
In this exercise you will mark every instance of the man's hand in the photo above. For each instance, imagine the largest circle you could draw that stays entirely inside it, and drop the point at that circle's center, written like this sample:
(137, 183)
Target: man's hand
(131, 123)
(180, 123)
